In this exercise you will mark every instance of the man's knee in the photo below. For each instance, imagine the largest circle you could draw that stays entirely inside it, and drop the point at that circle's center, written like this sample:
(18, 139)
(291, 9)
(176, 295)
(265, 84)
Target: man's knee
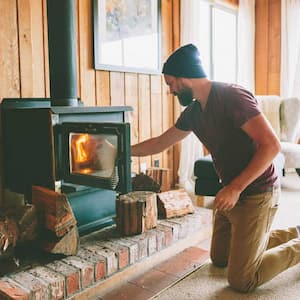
(218, 261)
(241, 283)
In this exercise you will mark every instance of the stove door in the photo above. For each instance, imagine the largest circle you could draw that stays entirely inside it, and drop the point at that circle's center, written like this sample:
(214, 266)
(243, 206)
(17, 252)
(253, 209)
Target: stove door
(97, 155)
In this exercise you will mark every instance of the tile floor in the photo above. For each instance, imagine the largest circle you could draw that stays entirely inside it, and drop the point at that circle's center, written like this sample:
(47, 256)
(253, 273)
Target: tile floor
(161, 276)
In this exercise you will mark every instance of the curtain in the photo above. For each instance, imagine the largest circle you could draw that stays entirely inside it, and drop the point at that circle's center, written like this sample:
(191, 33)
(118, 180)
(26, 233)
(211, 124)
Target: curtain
(246, 44)
(191, 148)
(290, 48)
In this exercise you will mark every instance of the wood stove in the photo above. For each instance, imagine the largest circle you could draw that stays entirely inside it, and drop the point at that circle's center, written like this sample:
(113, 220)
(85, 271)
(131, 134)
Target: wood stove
(83, 152)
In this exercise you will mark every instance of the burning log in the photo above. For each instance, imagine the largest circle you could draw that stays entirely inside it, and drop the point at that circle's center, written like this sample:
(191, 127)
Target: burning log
(136, 212)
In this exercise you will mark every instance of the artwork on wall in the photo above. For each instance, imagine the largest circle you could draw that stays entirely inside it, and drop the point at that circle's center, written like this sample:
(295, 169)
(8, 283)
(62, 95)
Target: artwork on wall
(127, 35)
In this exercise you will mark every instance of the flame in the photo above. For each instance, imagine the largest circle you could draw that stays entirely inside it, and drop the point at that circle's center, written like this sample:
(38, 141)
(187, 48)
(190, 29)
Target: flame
(81, 152)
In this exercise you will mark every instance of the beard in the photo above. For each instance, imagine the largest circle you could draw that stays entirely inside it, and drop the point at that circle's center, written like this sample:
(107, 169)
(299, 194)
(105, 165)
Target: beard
(185, 97)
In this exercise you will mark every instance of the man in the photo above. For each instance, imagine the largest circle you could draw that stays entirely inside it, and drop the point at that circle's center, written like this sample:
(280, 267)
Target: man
(226, 119)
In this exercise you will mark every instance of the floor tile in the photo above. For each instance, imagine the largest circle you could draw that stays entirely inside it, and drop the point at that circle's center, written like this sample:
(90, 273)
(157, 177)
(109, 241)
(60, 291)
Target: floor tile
(154, 280)
(177, 266)
(195, 254)
(129, 291)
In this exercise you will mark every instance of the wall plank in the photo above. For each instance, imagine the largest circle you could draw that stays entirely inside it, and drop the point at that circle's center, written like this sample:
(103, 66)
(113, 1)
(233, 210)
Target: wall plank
(85, 38)
(131, 99)
(102, 88)
(9, 51)
(144, 113)
(267, 47)
(156, 112)
(117, 88)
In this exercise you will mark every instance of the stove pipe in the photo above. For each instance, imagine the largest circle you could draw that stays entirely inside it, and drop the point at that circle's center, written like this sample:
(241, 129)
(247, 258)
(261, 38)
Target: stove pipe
(62, 52)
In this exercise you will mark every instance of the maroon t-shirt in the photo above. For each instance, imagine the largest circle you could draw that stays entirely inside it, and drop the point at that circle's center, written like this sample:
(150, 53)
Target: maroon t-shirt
(218, 127)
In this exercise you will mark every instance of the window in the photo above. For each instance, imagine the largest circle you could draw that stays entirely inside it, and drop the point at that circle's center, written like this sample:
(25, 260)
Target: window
(218, 41)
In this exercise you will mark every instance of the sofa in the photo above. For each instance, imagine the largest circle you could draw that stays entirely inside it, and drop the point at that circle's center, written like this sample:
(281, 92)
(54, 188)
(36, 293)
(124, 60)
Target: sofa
(284, 117)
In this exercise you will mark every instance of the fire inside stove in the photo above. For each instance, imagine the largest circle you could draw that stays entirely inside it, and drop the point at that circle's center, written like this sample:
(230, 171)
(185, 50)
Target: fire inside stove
(93, 154)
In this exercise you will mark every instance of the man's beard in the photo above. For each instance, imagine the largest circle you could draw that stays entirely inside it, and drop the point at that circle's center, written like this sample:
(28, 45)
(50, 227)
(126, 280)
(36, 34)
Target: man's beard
(185, 97)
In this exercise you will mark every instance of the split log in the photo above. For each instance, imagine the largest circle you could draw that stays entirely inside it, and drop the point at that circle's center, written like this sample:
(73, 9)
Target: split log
(174, 203)
(59, 230)
(143, 182)
(136, 212)
(160, 176)
(54, 210)
(17, 224)
(67, 245)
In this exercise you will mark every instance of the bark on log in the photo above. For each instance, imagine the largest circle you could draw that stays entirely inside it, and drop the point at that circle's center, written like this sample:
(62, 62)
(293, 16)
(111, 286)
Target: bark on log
(136, 212)
(174, 203)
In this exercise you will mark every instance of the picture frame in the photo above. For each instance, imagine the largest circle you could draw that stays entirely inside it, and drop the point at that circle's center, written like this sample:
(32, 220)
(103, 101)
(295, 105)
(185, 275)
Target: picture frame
(127, 35)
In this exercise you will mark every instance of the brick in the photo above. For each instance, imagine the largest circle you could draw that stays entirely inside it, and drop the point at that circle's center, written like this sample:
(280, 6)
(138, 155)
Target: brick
(12, 290)
(160, 239)
(38, 288)
(54, 280)
(121, 250)
(142, 242)
(133, 249)
(152, 243)
(99, 262)
(70, 273)
(85, 267)
(111, 257)
(175, 228)
(168, 234)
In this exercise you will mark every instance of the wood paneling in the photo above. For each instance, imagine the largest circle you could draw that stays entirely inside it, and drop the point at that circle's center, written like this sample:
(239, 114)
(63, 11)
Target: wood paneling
(267, 47)
(24, 68)
(9, 50)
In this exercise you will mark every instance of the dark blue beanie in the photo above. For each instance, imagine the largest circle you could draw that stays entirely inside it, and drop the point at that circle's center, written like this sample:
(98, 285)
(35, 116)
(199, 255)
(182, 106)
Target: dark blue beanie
(184, 62)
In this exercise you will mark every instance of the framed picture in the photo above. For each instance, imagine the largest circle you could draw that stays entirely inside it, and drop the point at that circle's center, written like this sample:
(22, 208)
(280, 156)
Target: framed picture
(127, 35)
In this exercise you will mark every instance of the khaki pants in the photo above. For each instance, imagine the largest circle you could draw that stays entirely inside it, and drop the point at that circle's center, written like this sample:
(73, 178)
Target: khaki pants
(242, 241)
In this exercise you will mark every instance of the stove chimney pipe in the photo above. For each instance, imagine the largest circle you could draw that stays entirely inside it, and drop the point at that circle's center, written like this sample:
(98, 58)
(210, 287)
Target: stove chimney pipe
(62, 52)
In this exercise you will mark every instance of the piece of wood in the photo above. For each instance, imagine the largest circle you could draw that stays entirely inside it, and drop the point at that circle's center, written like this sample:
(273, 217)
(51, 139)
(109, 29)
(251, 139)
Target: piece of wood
(174, 203)
(17, 224)
(59, 230)
(67, 245)
(160, 176)
(136, 212)
(54, 210)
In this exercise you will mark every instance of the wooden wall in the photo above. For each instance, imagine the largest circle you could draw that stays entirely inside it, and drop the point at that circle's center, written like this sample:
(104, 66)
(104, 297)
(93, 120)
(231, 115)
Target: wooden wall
(24, 70)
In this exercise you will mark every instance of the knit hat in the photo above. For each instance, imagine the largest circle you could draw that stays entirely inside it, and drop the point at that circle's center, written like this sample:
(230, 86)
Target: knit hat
(184, 62)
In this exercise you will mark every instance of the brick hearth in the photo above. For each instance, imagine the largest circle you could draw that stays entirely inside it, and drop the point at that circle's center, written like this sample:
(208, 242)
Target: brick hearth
(105, 260)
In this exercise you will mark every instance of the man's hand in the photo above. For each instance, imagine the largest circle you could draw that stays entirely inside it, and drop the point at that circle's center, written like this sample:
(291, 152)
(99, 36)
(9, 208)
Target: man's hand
(226, 198)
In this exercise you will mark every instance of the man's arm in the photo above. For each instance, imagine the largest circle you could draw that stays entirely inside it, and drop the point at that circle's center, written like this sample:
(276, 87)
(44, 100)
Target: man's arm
(268, 145)
(158, 144)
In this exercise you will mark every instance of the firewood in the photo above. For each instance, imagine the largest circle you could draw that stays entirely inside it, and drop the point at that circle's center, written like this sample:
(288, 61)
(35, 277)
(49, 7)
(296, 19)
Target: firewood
(17, 224)
(67, 245)
(174, 203)
(136, 212)
(142, 182)
(160, 176)
(59, 230)
(54, 210)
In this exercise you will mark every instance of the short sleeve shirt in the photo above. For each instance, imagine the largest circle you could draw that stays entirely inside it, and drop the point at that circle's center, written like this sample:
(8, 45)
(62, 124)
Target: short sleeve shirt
(218, 127)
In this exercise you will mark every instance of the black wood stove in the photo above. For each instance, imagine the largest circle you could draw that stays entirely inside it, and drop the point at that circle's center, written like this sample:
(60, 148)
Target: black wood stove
(58, 143)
